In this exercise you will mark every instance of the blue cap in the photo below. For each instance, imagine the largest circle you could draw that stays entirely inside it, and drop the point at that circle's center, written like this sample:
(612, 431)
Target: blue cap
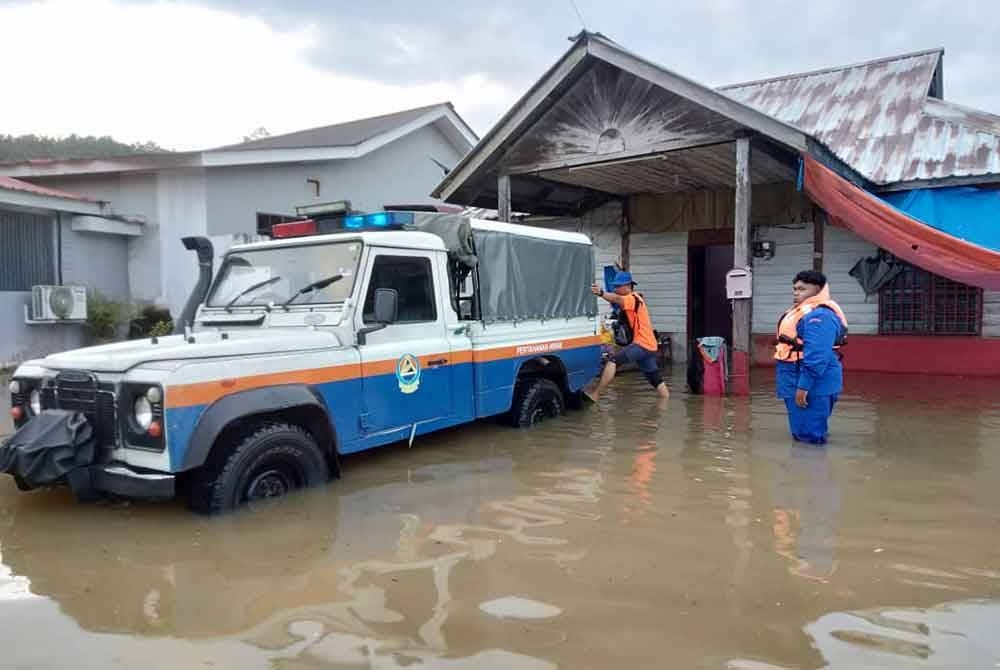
(622, 279)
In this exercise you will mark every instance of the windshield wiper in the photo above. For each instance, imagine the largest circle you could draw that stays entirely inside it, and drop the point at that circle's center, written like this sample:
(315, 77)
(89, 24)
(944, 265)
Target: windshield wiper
(248, 289)
(317, 285)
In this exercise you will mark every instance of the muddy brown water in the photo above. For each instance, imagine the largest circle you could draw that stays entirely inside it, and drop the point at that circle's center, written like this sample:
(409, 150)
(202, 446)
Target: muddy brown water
(625, 536)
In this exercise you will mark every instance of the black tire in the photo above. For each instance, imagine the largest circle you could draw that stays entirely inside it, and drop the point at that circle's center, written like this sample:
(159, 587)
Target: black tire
(534, 401)
(270, 462)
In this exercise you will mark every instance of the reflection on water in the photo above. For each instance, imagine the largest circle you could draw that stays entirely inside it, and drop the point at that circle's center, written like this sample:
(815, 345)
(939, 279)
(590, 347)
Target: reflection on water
(958, 634)
(630, 535)
(806, 498)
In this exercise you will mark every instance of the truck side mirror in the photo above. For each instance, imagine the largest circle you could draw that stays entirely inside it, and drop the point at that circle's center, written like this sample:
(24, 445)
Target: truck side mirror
(386, 312)
(386, 305)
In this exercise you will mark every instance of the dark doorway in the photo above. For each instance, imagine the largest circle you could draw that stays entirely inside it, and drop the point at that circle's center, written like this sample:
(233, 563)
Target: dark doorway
(709, 311)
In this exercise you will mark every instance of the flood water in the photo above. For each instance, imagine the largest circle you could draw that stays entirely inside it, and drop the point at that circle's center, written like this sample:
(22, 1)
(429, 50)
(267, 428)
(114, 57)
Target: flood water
(624, 536)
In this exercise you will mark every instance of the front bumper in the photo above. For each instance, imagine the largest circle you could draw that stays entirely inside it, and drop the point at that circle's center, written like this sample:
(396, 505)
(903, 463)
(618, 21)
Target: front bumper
(122, 480)
(92, 481)
(61, 447)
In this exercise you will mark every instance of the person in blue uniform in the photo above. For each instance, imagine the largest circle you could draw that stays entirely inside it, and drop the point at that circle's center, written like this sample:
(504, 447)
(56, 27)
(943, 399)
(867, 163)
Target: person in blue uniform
(809, 375)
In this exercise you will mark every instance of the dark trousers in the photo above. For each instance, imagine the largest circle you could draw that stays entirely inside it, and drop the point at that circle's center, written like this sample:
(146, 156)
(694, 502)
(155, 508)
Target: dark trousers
(810, 424)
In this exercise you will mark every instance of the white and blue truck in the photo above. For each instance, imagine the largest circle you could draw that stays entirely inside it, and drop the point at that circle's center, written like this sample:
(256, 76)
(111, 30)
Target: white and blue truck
(311, 346)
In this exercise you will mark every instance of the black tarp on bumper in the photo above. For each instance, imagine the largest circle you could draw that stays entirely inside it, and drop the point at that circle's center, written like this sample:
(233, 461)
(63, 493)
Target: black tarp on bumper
(60, 446)
(49, 448)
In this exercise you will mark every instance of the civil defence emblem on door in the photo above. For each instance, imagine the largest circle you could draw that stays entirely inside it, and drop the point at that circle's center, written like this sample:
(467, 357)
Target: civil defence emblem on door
(408, 373)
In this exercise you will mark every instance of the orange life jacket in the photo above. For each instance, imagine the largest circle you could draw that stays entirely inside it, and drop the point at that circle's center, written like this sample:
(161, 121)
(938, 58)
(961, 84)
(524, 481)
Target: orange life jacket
(789, 345)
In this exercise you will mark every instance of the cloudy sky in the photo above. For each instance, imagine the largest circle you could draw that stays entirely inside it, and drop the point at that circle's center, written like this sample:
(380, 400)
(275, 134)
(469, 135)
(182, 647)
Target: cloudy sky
(203, 73)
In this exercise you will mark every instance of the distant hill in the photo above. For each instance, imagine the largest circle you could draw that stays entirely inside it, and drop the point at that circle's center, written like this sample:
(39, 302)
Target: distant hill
(28, 147)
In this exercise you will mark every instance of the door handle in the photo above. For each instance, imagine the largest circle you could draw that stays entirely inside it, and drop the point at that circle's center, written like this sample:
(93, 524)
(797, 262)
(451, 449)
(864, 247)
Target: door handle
(437, 362)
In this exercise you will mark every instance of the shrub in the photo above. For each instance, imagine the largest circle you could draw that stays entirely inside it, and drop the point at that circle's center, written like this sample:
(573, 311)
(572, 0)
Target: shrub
(151, 321)
(105, 317)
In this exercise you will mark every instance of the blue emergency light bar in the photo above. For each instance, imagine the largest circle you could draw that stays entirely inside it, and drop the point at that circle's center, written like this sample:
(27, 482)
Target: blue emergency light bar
(378, 220)
(374, 221)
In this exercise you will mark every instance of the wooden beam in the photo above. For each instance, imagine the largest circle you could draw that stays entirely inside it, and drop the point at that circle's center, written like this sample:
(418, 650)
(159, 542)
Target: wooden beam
(651, 152)
(742, 309)
(503, 197)
(819, 228)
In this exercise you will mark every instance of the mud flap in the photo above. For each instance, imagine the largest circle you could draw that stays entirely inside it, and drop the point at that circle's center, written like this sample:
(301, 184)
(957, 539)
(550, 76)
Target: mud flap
(55, 446)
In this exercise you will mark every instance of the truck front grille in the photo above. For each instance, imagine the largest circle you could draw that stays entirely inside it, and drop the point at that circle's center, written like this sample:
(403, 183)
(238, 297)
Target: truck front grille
(81, 392)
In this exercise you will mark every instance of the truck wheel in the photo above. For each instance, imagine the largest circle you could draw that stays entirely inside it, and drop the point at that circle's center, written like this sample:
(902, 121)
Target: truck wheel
(273, 461)
(534, 401)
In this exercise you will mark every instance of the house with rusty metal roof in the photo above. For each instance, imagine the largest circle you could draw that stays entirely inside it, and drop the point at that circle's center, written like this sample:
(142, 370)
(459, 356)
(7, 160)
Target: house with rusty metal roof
(237, 192)
(887, 119)
(862, 171)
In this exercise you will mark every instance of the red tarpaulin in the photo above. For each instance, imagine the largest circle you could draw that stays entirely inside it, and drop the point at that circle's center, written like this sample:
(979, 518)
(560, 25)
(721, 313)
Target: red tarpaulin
(875, 220)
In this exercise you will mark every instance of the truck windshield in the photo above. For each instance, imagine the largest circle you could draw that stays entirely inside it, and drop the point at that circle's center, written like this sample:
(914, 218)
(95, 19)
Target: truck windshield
(276, 274)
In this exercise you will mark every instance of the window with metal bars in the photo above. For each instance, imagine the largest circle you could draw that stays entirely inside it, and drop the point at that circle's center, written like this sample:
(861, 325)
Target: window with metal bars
(27, 251)
(917, 302)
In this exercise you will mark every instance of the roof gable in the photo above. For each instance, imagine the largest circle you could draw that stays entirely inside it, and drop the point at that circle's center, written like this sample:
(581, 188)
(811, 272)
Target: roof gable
(611, 114)
(349, 140)
(345, 134)
(576, 113)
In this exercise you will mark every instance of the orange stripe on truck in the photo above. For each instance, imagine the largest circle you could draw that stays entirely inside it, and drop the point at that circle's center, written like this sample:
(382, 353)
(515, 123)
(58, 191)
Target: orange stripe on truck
(204, 393)
(533, 349)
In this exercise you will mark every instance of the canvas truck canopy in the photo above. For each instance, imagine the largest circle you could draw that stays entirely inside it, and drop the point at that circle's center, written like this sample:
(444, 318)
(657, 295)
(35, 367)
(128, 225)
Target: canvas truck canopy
(525, 272)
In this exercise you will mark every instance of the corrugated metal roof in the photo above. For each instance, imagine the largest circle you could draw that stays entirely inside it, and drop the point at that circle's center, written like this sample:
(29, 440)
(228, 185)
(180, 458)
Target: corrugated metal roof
(11, 184)
(954, 141)
(878, 118)
(337, 135)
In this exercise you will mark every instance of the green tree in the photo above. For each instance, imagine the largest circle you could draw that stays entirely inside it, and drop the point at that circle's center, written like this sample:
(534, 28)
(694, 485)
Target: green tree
(28, 147)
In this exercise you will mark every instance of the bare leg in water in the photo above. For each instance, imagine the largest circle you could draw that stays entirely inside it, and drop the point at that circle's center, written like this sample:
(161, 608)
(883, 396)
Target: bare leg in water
(608, 376)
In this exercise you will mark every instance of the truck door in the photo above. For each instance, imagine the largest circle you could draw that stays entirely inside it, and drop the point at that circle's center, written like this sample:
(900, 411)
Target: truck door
(405, 366)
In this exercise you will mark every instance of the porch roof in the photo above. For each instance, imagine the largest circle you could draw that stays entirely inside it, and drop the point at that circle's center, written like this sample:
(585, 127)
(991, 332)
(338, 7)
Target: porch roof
(603, 123)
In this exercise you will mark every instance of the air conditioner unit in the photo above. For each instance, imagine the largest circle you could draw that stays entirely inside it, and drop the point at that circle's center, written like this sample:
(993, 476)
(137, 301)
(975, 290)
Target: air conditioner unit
(58, 303)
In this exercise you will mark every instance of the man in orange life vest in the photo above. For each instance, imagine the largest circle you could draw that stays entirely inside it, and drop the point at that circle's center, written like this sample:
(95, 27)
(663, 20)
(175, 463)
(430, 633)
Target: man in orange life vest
(809, 376)
(642, 349)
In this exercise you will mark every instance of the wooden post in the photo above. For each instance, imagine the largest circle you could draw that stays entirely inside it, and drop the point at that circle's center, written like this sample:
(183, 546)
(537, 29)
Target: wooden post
(742, 309)
(503, 197)
(626, 233)
(819, 228)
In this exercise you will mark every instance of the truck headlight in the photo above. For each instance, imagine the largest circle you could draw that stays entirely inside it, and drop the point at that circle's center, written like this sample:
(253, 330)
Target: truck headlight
(142, 412)
(15, 387)
(35, 402)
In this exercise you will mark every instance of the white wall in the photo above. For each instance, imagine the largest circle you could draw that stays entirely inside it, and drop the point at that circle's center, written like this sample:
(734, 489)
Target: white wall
(140, 196)
(95, 260)
(991, 313)
(772, 278)
(129, 195)
(181, 212)
(841, 250)
(399, 173)
(658, 262)
(772, 284)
